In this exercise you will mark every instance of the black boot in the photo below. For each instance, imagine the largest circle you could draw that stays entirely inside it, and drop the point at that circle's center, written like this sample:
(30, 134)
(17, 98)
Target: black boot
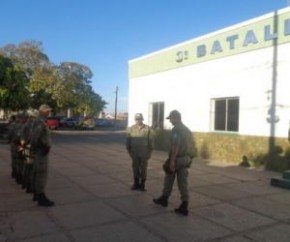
(163, 201)
(29, 188)
(44, 201)
(19, 179)
(142, 185)
(136, 184)
(24, 185)
(182, 209)
(13, 173)
(35, 197)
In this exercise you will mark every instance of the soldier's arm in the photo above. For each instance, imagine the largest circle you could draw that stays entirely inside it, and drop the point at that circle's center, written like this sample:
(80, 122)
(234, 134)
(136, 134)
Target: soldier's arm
(128, 140)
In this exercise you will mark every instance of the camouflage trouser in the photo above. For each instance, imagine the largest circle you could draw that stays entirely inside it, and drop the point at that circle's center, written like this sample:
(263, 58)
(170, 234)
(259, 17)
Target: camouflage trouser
(181, 172)
(14, 157)
(28, 174)
(139, 165)
(40, 169)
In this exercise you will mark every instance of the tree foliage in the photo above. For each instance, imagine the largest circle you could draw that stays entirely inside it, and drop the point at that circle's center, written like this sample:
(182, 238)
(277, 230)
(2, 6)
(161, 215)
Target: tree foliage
(13, 86)
(28, 78)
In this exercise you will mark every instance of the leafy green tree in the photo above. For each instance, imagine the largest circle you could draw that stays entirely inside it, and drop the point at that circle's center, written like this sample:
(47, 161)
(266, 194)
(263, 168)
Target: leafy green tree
(90, 103)
(28, 58)
(14, 94)
(75, 89)
(33, 80)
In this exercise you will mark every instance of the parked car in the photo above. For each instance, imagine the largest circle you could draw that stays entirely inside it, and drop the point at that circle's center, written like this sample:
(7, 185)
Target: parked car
(52, 123)
(88, 123)
(104, 123)
(68, 122)
(71, 123)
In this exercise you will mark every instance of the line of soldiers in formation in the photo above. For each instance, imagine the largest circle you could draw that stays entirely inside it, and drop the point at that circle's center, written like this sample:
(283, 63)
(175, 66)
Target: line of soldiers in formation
(30, 143)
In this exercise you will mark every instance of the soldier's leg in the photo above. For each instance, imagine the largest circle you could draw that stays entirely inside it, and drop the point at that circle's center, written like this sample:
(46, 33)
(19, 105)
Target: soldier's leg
(167, 188)
(18, 169)
(13, 164)
(40, 176)
(136, 171)
(29, 178)
(182, 183)
(24, 175)
(168, 184)
(143, 172)
(182, 175)
(40, 181)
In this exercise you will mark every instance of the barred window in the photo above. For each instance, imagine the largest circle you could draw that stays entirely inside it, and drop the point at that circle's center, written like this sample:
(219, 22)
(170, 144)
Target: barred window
(226, 114)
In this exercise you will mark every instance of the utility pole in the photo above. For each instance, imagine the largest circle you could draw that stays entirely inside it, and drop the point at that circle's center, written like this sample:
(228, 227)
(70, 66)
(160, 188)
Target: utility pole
(116, 102)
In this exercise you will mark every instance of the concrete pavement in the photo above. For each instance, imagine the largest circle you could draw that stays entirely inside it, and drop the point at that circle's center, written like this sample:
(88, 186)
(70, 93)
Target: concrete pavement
(90, 178)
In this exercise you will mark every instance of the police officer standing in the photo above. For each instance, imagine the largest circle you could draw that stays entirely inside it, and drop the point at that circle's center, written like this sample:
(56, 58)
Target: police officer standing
(139, 146)
(182, 151)
(40, 143)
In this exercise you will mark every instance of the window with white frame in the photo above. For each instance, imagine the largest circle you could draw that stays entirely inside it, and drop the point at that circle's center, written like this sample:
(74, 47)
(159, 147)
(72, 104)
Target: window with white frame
(226, 114)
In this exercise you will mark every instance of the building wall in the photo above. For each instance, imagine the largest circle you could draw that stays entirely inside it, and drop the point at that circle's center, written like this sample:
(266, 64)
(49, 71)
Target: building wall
(248, 76)
(254, 68)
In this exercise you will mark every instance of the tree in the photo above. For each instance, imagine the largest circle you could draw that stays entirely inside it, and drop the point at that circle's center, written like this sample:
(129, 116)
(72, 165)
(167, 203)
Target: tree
(33, 79)
(76, 92)
(33, 64)
(14, 94)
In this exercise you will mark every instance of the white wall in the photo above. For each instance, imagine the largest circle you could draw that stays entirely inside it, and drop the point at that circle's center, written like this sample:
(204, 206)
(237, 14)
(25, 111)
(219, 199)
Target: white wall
(190, 90)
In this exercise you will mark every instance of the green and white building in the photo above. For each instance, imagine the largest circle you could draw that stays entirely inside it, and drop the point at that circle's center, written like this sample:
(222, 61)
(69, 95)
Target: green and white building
(232, 86)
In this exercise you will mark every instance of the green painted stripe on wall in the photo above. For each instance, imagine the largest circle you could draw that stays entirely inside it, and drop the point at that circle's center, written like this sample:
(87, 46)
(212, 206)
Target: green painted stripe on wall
(248, 37)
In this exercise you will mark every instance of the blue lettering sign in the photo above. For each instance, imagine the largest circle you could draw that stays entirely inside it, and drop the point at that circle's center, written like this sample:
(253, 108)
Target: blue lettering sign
(250, 38)
(287, 27)
(216, 47)
(268, 35)
(231, 40)
(201, 50)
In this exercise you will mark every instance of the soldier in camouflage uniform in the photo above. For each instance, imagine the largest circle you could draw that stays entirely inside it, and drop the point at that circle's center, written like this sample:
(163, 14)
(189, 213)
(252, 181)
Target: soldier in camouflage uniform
(181, 153)
(28, 163)
(139, 146)
(14, 138)
(40, 144)
(13, 144)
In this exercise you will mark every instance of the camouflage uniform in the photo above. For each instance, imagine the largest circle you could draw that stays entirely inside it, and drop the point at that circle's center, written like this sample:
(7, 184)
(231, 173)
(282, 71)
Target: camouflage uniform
(181, 153)
(182, 137)
(140, 146)
(14, 137)
(12, 140)
(40, 144)
(28, 164)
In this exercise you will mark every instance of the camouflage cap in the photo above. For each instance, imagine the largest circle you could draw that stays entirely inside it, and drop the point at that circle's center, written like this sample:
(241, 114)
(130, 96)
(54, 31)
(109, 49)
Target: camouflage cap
(139, 116)
(44, 108)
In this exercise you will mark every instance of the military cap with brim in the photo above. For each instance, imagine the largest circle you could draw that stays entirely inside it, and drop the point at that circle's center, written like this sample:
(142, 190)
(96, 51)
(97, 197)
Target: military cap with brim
(174, 114)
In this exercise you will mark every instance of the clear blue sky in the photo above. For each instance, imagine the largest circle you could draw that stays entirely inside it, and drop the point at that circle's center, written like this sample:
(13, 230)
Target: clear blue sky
(105, 34)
